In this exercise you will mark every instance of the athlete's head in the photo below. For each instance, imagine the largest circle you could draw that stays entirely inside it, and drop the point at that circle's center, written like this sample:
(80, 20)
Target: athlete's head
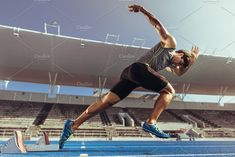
(181, 58)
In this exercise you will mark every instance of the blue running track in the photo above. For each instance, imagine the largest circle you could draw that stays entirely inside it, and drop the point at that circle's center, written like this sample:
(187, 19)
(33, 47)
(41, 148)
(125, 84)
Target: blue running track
(139, 149)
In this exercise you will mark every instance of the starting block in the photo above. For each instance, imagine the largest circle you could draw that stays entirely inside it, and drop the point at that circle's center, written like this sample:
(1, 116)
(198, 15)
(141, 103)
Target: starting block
(16, 144)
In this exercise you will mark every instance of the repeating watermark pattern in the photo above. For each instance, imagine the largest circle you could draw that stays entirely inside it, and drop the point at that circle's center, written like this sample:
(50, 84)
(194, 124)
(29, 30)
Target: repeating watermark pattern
(28, 46)
(228, 11)
(214, 51)
(128, 1)
(186, 39)
(62, 69)
(228, 45)
(39, 56)
(106, 13)
(84, 84)
(109, 11)
(21, 69)
(41, 1)
(68, 17)
(83, 27)
(212, 1)
(59, 44)
(22, 12)
(107, 68)
(42, 57)
(190, 14)
(126, 56)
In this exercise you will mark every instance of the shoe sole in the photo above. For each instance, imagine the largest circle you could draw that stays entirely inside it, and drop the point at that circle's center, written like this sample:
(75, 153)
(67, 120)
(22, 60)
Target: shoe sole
(149, 131)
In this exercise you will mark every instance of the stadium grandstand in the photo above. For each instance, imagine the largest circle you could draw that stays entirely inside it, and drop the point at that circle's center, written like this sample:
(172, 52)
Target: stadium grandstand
(32, 113)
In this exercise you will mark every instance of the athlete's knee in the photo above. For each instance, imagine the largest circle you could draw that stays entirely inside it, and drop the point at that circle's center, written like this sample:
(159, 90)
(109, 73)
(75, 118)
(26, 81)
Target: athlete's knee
(110, 99)
(105, 102)
(168, 90)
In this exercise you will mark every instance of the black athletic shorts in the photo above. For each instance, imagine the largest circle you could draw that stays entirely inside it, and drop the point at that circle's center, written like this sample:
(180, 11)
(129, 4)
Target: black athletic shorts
(138, 75)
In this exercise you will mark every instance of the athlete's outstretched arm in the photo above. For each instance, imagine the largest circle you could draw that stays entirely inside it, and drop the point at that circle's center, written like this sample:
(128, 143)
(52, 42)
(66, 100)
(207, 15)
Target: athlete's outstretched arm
(166, 38)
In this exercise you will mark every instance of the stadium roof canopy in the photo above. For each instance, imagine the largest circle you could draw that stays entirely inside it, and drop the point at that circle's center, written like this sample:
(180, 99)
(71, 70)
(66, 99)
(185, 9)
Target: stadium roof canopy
(46, 58)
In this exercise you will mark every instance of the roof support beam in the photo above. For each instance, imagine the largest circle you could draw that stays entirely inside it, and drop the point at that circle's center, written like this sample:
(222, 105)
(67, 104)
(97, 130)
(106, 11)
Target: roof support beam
(185, 90)
(52, 85)
(4, 84)
(101, 85)
(223, 90)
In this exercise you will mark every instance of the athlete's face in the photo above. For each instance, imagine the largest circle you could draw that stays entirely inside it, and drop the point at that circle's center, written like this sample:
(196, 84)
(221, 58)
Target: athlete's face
(178, 59)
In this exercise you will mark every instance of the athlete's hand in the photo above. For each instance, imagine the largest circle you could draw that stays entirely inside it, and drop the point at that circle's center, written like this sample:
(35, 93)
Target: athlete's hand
(134, 8)
(195, 51)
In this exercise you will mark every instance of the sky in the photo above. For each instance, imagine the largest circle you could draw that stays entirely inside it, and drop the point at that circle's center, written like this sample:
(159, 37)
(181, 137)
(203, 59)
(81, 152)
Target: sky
(209, 24)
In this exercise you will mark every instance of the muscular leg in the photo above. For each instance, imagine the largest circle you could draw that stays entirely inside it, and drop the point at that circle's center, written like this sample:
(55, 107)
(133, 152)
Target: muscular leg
(108, 100)
(122, 87)
(161, 103)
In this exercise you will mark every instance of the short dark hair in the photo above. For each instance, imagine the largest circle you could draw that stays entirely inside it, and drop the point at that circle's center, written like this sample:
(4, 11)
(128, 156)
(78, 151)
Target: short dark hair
(186, 57)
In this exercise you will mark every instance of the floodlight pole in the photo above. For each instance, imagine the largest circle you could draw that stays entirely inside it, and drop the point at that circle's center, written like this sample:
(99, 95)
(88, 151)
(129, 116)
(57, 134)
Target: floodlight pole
(142, 42)
(53, 25)
(108, 36)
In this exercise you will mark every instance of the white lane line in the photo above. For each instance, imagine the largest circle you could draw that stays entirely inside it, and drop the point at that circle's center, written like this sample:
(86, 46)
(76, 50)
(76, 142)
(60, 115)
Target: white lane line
(204, 146)
(172, 155)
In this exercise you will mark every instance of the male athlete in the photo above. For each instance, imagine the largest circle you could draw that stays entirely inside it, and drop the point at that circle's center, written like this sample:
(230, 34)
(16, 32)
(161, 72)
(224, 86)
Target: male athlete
(143, 73)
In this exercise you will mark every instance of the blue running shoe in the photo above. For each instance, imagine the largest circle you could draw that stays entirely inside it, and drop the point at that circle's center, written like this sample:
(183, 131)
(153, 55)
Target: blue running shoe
(153, 129)
(67, 132)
